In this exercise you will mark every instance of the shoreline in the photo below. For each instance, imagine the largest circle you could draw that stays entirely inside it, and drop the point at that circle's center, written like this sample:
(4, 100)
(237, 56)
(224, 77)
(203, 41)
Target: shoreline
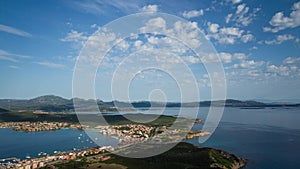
(105, 153)
(126, 134)
(27, 126)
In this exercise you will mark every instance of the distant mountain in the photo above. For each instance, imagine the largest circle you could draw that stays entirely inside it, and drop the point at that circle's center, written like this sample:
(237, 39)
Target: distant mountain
(51, 103)
(49, 100)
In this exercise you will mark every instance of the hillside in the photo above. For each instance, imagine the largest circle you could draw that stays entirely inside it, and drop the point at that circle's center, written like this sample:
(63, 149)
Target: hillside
(51, 103)
(3, 110)
(182, 156)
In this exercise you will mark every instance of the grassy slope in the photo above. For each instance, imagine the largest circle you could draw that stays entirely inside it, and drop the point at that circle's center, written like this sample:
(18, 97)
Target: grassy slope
(72, 118)
(184, 155)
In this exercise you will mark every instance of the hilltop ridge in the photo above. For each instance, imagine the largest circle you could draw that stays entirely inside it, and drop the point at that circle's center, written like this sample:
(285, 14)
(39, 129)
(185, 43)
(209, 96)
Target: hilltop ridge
(52, 103)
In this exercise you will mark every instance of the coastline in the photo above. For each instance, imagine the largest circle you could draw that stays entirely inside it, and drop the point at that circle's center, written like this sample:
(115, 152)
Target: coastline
(65, 157)
(103, 155)
(126, 132)
(39, 126)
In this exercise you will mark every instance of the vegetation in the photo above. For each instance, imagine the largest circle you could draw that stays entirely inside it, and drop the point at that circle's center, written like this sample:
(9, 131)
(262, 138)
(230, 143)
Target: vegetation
(51, 103)
(90, 119)
(183, 155)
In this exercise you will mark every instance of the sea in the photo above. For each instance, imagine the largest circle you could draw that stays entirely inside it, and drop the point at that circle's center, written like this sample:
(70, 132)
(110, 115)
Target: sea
(269, 138)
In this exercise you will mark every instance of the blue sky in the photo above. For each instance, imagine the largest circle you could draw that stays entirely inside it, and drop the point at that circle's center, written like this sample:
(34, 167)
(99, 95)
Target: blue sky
(258, 42)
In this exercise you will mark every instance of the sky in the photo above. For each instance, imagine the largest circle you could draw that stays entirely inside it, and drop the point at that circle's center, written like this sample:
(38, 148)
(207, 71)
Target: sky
(258, 43)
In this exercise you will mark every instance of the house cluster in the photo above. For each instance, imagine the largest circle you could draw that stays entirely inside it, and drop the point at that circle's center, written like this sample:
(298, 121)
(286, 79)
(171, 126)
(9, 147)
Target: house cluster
(137, 133)
(50, 159)
(128, 134)
(38, 126)
(25, 164)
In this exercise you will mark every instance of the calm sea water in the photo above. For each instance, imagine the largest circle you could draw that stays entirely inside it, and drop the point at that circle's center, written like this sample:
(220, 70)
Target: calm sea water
(268, 138)
(22, 144)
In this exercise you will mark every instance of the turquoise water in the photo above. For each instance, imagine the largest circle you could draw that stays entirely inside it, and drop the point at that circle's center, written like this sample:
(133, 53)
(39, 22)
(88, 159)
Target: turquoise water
(268, 138)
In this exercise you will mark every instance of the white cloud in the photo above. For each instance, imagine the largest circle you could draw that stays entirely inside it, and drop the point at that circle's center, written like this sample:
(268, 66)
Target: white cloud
(192, 59)
(4, 55)
(280, 22)
(241, 8)
(75, 36)
(14, 67)
(291, 60)
(50, 64)
(289, 67)
(192, 13)
(188, 32)
(97, 45)
(242, 16)
(156, 25)
(247, 38)
(228, 35)
(98, 7)
(93, 25)
(7, 57)
(236, 1)
(248, 64)
(228, 58)
(239, 56)
(259, 71)
(279, 70)
(138, 43)
(122, 45)
(280, 39)
(14, 31)
(231, 31)
(228, 18)
(149, 8)
(224, 56)
(213, 27)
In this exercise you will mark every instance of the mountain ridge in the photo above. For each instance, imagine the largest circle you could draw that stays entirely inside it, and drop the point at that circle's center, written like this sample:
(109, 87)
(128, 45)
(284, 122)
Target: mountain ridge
(52, 103)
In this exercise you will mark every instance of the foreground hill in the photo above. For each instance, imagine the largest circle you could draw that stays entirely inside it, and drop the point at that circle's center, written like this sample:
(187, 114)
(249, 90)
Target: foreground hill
(3, 110)
(182, 156)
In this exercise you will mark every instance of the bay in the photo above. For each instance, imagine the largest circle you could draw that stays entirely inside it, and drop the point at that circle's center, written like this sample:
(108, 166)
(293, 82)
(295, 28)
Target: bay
(21, 144)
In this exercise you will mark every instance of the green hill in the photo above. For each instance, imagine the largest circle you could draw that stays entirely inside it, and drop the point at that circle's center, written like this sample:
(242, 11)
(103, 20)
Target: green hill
(182, 156)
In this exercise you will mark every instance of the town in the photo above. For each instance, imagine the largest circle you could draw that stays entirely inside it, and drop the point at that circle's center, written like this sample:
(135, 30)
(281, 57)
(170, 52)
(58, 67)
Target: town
(126, 134)
(49, 160)
(137, 133)
(38, 126)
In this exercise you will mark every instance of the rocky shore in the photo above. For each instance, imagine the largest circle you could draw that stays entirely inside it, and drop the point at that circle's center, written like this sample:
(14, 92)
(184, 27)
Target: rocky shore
(193, 134)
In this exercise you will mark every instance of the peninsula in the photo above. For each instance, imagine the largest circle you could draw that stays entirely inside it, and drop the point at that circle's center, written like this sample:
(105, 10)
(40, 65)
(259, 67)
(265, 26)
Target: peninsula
(184, 155)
